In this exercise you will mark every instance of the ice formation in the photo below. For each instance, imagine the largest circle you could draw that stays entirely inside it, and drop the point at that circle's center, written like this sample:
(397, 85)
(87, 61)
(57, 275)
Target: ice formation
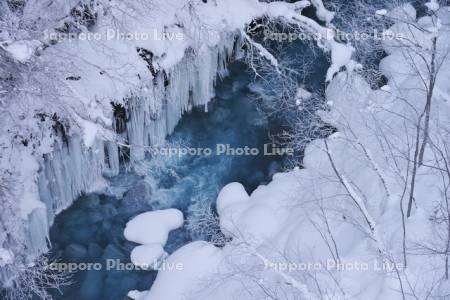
(75, 148)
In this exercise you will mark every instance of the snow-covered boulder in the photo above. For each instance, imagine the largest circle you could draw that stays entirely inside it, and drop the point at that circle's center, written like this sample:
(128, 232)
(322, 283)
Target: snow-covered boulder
(22, 51)
(231, 194)
(147, 256)
(187, 267)
(153, 227)
(405, 12)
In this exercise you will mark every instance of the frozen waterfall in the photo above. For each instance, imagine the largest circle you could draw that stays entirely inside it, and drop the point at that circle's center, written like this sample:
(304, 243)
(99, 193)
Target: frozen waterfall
(73, 169)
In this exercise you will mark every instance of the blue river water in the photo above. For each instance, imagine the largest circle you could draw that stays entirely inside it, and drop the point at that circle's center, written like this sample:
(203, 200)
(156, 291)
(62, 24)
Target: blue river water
(91, 230)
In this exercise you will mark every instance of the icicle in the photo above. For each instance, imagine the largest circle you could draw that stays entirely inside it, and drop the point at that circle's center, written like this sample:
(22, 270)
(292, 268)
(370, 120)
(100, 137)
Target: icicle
(111, 159)
(72, 169)
(155, 113)
(37, 230)
(68, 172)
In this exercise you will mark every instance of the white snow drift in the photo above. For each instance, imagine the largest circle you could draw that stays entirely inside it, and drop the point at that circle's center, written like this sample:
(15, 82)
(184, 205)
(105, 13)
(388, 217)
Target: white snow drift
(334, 229)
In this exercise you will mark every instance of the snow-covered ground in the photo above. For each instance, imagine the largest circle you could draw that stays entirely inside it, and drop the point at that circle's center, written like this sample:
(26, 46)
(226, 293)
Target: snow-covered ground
(364, 219)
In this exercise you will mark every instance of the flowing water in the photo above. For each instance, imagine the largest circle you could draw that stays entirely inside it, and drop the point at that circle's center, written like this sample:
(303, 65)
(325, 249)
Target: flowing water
(91, 230)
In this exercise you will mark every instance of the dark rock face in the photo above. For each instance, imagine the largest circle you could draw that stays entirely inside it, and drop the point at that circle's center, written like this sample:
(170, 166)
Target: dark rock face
(137, 198)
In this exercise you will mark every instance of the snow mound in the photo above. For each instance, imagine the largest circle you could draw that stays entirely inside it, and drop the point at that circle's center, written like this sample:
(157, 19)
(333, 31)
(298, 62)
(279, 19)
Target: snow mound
(341, 55)
(433, 5)
(303, 94)
(22, 50)
(231, 194)
(147, 256)
(381, 12)
(153, 227)
(136, 295)
(198, 260)
(241, 215)
(405, 12)
(322, 13)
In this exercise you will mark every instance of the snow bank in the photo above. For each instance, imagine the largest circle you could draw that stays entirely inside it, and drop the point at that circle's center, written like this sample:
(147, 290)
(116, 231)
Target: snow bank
(333, 229)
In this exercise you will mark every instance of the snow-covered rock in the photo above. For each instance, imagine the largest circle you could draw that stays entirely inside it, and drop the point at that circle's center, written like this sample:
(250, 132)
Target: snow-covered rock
(191, 264)
(153, 227)
(22, 50)
(405, 12)
(148, 256)
(231, 194)
(381, 12)
(433, 5)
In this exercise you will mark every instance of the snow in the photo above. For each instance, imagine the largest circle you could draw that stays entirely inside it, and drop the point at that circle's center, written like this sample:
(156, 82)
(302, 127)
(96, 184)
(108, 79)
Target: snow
(341, 55)
(153, 227)
(261, 50)
(136, 295)
(381, 12)
(303, 94)
(231, 194)
(22, 50)
(433, 5)
(90, 130)
(147, 256)
(405, 12)
(386, 88)
(6, 257)
(30, 200)
(323, 13)
(197, 261)
(350, 181)
(281, 217)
